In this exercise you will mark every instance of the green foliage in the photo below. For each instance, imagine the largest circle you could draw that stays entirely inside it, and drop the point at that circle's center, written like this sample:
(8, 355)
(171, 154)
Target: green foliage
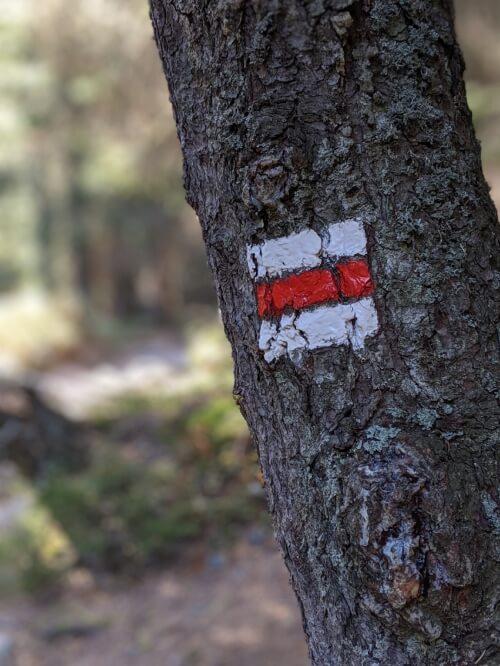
(130, 509)
(35, 553)
(167, 469)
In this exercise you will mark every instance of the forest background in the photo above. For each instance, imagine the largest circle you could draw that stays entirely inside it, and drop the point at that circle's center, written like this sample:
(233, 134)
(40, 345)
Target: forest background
(132, 519)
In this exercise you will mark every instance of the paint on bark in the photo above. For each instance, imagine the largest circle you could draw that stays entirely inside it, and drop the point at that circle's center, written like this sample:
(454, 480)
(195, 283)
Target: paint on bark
(337, 279)
(379, 460)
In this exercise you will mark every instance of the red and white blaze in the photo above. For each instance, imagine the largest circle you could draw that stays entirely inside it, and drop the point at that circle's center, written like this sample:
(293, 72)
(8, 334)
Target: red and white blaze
(313, 291)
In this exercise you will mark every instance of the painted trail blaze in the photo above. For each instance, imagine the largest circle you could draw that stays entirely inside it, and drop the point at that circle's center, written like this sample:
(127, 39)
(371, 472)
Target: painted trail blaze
(313, 292)
(296, 292)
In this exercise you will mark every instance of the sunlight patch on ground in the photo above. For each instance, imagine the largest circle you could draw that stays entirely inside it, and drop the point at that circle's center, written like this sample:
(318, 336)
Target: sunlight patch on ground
(33, 327)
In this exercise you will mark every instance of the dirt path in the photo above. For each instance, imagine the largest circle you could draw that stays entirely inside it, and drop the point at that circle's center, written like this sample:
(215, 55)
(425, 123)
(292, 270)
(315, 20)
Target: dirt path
(151, 364)
(236, 610)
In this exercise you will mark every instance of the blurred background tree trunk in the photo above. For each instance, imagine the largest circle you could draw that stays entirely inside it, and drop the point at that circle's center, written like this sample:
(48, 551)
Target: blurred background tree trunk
(379, 465)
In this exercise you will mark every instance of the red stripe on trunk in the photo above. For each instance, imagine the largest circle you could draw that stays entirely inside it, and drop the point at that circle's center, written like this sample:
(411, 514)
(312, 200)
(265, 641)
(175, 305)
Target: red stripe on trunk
(355, 279)
(296, 292)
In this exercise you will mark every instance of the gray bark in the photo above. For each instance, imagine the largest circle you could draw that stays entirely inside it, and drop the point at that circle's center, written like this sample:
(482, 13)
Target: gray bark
(379, 465)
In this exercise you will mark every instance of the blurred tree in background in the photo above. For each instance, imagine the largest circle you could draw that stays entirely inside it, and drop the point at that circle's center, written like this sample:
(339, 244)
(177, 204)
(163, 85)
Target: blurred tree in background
(478, 25)
(91, 197)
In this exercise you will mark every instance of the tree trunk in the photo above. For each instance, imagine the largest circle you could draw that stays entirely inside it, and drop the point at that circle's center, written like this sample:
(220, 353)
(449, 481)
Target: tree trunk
(377, 440)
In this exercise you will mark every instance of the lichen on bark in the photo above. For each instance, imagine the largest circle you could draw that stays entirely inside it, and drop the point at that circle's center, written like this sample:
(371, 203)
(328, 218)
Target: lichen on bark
(379, 465)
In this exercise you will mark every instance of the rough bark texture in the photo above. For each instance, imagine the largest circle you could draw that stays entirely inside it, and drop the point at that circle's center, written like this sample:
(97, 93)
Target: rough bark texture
(379, 465)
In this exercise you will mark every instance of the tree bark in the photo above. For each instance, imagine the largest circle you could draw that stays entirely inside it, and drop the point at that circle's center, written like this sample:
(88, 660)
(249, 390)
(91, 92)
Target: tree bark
(379, 460)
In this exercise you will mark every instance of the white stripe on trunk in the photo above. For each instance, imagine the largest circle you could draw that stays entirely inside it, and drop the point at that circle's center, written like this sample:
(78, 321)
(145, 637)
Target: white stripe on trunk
(289, 253)
(345, 239)
(324, 326)
(305, 249)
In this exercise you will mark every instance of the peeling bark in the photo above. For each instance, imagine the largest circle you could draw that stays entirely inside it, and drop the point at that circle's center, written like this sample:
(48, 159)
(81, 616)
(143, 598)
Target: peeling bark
(379, 462)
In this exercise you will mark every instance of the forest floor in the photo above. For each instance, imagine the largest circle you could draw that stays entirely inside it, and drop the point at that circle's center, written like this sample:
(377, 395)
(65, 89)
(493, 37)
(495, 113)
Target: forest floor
(233, 608)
